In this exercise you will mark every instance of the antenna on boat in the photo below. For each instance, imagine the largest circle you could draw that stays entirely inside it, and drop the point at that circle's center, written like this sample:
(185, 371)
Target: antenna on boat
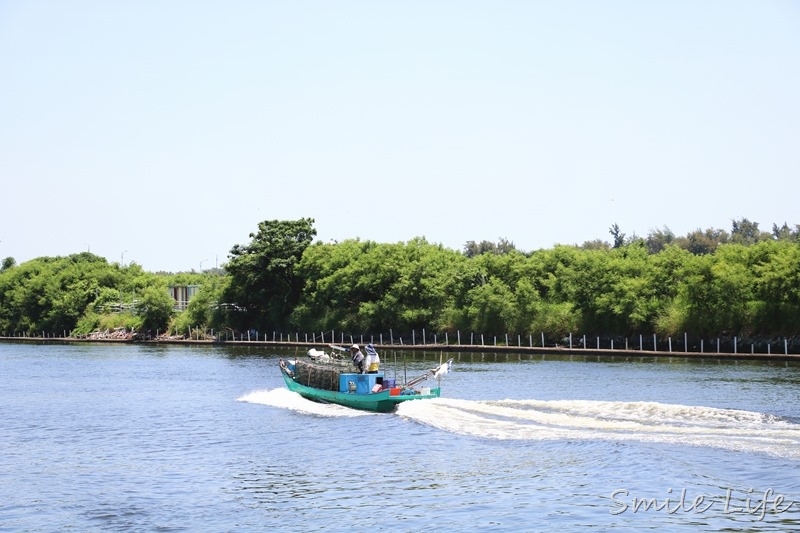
(439, 377)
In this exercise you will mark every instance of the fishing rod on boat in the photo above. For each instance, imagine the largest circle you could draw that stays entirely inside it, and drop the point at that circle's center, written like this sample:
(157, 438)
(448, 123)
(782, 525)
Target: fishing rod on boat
(338, 349)
(437, 373)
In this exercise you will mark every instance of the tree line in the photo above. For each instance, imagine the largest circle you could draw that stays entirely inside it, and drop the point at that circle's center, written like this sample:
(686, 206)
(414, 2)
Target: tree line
(745, 282)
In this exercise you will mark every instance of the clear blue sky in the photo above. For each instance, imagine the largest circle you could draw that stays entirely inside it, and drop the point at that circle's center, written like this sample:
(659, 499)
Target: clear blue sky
(162, 132)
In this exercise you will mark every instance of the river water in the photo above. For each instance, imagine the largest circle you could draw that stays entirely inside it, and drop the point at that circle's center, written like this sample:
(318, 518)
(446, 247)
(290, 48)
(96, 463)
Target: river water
(186, 438)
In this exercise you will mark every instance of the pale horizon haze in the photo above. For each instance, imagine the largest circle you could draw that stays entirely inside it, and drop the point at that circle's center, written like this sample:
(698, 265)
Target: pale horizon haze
(162, 133)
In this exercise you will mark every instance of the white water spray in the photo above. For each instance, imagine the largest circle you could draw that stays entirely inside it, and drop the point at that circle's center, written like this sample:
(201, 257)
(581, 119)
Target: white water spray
(287, 399)
(586, 420)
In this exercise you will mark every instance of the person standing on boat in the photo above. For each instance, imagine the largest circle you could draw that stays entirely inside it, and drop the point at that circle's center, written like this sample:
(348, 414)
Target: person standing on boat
(358, 358)
(373, 361)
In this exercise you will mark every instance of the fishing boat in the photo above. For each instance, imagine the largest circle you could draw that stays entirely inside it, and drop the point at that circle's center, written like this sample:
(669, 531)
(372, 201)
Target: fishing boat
(336, 382)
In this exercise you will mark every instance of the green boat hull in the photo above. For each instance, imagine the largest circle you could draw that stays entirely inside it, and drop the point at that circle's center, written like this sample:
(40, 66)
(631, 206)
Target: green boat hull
(381, 402)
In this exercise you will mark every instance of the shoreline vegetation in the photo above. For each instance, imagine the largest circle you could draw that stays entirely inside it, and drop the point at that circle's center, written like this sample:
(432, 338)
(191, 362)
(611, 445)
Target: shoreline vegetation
(710, 292)
(557, 350)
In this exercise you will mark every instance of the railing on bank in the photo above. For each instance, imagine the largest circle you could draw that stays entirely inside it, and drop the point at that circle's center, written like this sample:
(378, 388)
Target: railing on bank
(639, 343)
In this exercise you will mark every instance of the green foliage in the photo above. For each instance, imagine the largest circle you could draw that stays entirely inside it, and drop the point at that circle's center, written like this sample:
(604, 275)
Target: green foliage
(745, 232)
(491, 307)
(127, 321)
(155, 309)
(619, 237)
(364, 286)
(701, 242)
(264, 284)
(49, 293)
(709, 283)
(88, 323)
(62, 294)
(555, 320)
(91, 322)
(502, 246)
(658, 239)
(784, 233)
(204, 310)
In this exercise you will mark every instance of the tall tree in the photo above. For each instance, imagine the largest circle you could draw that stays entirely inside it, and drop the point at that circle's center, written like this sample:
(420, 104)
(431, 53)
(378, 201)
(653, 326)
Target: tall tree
(264, 285)
(502, 246)
(657, 239)
(619, 237)
(745, 232)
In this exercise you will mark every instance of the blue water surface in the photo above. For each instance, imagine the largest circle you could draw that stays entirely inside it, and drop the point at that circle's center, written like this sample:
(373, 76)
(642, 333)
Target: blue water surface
(186, 438)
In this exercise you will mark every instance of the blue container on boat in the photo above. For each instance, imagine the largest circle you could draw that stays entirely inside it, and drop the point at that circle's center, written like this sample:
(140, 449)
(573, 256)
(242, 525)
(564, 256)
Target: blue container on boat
(363, 382)
(363, 385)
(344, 381)
(389, 383)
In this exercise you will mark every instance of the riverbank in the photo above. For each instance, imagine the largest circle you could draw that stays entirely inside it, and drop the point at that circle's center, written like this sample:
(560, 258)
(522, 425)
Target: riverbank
(449, 348)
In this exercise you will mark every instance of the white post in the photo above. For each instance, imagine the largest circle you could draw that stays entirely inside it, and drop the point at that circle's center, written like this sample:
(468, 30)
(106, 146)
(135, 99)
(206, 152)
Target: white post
(543, 339)
(570, 340)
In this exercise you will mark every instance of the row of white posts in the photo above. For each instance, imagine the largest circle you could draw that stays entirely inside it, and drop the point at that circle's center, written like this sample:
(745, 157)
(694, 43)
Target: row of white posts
(332, 337)
(276, 337)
